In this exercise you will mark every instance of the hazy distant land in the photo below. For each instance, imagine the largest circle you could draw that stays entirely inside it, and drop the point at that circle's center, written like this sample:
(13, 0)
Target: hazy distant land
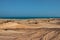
(30, 29)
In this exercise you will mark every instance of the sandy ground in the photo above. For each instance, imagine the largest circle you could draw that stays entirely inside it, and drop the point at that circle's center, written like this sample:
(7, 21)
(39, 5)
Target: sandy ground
(30, 29)
(30, 23)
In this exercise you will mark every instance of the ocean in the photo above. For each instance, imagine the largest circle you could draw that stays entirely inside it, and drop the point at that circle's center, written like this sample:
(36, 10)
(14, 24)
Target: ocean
(25, 17)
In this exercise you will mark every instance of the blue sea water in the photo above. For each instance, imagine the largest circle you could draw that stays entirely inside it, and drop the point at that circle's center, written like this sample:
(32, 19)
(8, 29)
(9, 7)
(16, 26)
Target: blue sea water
(25, 17)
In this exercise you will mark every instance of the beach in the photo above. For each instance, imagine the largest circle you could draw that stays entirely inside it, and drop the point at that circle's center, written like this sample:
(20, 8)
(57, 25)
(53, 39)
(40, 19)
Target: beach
(30, 29)
(30, 23)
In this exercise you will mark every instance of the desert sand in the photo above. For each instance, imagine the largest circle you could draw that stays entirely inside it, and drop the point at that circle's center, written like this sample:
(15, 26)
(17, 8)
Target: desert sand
(30, 29)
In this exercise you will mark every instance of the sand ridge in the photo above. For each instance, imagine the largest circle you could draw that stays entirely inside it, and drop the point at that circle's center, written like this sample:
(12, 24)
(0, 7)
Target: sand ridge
(30, 23)
(30, 29)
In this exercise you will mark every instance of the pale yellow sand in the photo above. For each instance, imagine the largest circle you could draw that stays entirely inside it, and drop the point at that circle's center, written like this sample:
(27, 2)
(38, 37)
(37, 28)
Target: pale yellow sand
(30, 29)
(30, 23)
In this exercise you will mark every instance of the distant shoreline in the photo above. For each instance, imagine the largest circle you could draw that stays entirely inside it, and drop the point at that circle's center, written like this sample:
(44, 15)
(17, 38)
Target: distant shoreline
(25, 17)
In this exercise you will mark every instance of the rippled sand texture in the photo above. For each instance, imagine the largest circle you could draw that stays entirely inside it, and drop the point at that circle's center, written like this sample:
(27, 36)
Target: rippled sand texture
(30, 34)
(30, 23)
(30, 29)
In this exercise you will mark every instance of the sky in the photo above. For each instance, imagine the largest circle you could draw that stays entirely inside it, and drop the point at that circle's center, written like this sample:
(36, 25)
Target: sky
(29, 8)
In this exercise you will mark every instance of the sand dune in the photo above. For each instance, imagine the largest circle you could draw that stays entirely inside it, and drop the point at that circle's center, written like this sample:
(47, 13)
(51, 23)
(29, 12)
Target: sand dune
(30, 29)
(32, 23)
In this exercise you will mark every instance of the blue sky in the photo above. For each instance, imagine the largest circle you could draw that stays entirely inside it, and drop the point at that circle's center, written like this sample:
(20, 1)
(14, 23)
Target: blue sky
(38, 8)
